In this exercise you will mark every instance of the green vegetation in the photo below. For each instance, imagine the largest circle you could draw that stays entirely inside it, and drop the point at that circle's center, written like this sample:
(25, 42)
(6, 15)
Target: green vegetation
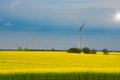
(61, 76)
(25, 49)
(22, 49)
(105, 51)
(86, 50)
(74, 50)
(19, 48)
(93, 51)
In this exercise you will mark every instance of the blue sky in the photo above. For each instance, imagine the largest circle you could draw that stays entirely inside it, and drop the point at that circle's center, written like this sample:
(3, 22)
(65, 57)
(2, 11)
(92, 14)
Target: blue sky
(46, 24)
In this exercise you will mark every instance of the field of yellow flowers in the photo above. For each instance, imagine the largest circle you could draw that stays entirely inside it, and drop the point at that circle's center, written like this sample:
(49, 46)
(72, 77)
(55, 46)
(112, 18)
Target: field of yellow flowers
(48, 61)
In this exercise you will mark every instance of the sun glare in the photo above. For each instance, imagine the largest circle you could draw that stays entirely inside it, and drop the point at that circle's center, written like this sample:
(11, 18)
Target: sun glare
(117, 16)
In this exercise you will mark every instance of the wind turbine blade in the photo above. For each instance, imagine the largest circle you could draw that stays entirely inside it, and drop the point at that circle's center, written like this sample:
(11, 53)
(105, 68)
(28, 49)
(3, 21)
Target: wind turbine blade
(82, 27)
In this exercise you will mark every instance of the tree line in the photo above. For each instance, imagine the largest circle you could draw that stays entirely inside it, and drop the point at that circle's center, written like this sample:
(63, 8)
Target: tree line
(86, 50)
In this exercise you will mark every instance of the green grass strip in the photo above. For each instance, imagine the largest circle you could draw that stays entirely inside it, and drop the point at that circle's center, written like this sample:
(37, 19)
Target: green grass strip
(61, 76)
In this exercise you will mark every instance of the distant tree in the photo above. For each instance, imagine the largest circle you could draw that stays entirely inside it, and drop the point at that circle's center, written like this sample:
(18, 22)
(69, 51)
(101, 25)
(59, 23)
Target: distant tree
(74, 50)
(93, 51)
(25, 49)
(105, 51)
(42, 50)
(86, 50)
(19, 48)
(53, 49)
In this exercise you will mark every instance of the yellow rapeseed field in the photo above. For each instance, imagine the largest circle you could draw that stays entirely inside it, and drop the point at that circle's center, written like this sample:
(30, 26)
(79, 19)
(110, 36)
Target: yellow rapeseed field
(48, 61)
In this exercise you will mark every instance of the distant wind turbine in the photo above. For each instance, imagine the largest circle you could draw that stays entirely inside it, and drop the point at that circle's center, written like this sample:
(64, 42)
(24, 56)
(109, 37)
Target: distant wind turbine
(80, 31)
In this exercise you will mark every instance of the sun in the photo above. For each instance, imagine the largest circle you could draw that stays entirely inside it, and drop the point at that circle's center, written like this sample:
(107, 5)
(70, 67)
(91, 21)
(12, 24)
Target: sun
(117, 16)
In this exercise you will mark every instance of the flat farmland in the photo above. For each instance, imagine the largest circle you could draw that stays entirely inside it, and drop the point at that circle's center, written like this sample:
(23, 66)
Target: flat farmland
(46, 61)
(43, 62)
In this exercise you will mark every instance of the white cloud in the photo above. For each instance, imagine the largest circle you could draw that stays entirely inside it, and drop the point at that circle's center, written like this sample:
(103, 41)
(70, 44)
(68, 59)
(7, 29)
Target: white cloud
(15, 3)
(8, 24)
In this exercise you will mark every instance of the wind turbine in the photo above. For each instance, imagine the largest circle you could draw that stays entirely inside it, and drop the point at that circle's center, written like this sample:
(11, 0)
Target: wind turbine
(79, 32)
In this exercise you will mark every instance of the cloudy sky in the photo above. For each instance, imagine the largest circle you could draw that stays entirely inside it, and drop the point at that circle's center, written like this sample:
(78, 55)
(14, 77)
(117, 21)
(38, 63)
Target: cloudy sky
(46, 24)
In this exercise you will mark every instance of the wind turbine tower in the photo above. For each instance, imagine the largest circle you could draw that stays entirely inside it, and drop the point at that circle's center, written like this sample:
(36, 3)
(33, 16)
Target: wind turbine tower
(79, 32)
